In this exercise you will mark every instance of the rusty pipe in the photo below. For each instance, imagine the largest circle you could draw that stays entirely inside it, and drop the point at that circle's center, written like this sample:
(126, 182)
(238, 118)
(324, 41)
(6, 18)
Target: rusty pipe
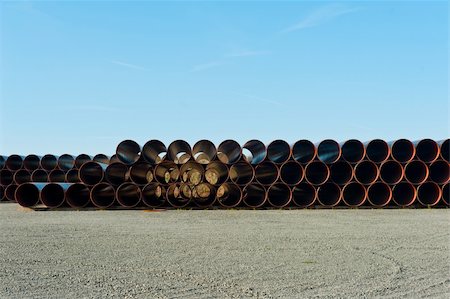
(57, 176)
(81, 159)
(179, 195)
(391, 172)
(416, 172)
(266, 173)
(103, 195)
(114, 159)
(39, 176)
(439, 171)
(53, 194)
(341, 172)
(254, 195)
(366, 172)
(49, 162)
(204, 195)
(379, 194)
(404, 194)
(10, 191)
(117, 173)
(354, 194)
(329, 151)
(31, 162)
(14, 162)
(254, 151)
(216, 173)
(22, 176)
(166, 172)
(229, 195)
(179, 152)
(6, 177)
(427, 150)
(128, 195)
(141, 173)
(92, 173)
(72, 176)
(78, 195)
(353, 151)
(444, 150)
(204, 151)
(242, 173)
(279, 195)
(66, 162)
(28, 194)
(329, 194)
(377, 150)
(154, 195)
(278, 151)
(304, 195)
(445, 194)
(291, 173)
(402, 150)
(429, 194)
(229, 152)
(317, 173)
(154, 151)
(304, 151)
(101, 158)
(192, 172)
(128, 152)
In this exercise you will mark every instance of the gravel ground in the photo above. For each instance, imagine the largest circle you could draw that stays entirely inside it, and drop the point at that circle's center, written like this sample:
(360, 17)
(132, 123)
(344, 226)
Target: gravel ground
(224, 253)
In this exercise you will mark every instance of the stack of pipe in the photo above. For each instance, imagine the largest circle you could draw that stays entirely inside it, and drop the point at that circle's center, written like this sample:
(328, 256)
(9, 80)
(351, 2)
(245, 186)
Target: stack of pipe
(328, 174)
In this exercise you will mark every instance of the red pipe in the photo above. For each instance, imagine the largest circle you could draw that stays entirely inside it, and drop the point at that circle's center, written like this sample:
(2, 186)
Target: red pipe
(128, 195)
(254, 195)
(292, 173)
(329, 194)
(445, 150)
(242, 173)
(328, 151)
(154, 195)
(229, 195)
(78, 195)
(402, 150)
(429, 194)
(353, 151)
(279, 195)
(304, 151)
(439, 172)
(391, 172)
(416, 172)
(354, 194)
(379, 194)
(445, 194)
(366, 172)
(317, 173)
(377, 150)
(404, 194)
(341, 172)
(103, 195)
(427, 150)
(278, 151)
(266, 173)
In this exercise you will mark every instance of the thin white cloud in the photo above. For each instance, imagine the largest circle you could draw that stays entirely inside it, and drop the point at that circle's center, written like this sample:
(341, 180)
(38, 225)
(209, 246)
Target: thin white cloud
(247, 53)
(206, 66)
(133, 66)
(320, 16)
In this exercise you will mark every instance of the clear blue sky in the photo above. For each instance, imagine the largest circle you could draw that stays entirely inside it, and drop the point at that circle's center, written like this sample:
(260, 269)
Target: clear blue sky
(82, 76)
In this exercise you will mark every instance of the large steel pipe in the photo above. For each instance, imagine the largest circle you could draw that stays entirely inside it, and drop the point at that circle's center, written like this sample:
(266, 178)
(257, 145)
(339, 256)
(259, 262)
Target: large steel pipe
(2, 161)
(72, 176)
(366, 172)
(353, 151)
(391, 172)
(427, 150)
(154, 151)
(354, 194)
(192, 172)
(166, 172)
(128, 195)
(379, 194)
(416, 172)
(78, 195)
(266, 173)
(10, 191)
(31, 162)
(304, 151)
(278, 151)
(341, 172)
(92, 173)
(242, 173)
(6, 177)
(445, 150)
(39, 176)
(81, 159)
(53, 194)
(204, 195)
(328, 151)
(229, 195)
(101, 158)
(291, 173)
(154, 195)
(404, 194)
(103, 195)
(179, 195)
(445, 194)
(117, 173)
(28, 194)
(377, 150)
(204, 151)
(216, 173)
(254, 195)
(279, 195)
(402, 150)
(254, 151)
(114, 159)
(317, 173)
(329, 194)
(229, 152)
(57, 176)
(22, 176)
(49, 162)
(141, 173)
(304, 195)
(439, 171)
(66, 162)
(14, 162)
(179, 152)
(128, 152)
(429, 194)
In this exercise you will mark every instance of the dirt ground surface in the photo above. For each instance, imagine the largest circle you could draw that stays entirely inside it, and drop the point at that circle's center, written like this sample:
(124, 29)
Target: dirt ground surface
(224, 253)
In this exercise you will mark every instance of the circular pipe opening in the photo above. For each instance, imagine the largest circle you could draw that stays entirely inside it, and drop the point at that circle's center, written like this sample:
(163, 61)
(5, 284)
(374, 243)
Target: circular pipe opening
(78, 195)
(101, 158)
(66, 162)
(416, 172)
(14, 162)
(427, 150)
(31, 162)
(304, 195)
(192, 172)
(166, 172)
(128, 195)
(229, 152)
(439, 172)
(266, 173)
(128, 152)
(114, 159)
(154, 151)
(377, 151)
(328, 151)
(141, 173)
(6, 177)
(445, 150)
(379, 194)
(216, 173)
(103, 195)
(317, 173)
(81, 159)
(49, 162)
(72, 176)
(116, 173)
(391, 172)
(354, 194)
(242, 173)
(429, 194)
(279, 195)
(154, 195)
(57, 176)
(341, 172)
(10, 192)
(204, 195)
(353, 151)
(179, 195)
(403, 150)
(39, 176)
(27, 195)
(291, 173)
(329, 194)
(366, 172)
(179, 152)
(204, 151)
(278, 151)
(445, 194)
(22, 176)
(91, 173)
(404, 194)
(53, 195)
(254, 151)
(304, 151)
(255, 195)
(229, 195)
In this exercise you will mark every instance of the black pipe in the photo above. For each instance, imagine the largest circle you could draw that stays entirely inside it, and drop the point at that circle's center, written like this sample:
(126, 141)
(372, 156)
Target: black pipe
(304, 195)
(14, 162)
(279, 195)
(317, 173)
(216, 173)
(81, 159)
(204, 151)
(379, 194)
(31, 162)
(402, 150)
(39, 176)
(22, 176)
(391, 172)
(291, 173)
(242, 173)
(354, 194)
(366, 172)
(429, 194)
(229, 152)
(166, 172)
(128, 152)
(254, 151)
(204, 195)
(92, 173)
(304, 151)
(404, 194)
(53, 194)
(117, 173)
(329, 194)
(154, 151)
(179, 152)
(416, 172)
(266, 173)
(6, 177)
(72, 176)
(341, 172)
(78, 195)
(128, 195)
(377, 150)
(445, 150)
(179, 195)
(66, 162)
(353, 151)
(328, 151)
(154, 195)
(49, 162)
(103, 195)
(101, 158)
(28, 194)
(439, 171)
(278, 151)
(10, 191)
(192, 172)
(141, 173)
(427, 150)
(229, 195)
(445, 194)
(254, 195)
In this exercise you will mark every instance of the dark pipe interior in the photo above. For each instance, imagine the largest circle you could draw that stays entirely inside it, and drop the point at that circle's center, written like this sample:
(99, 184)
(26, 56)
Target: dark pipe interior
(166, 172)
(403, 150)
(341, 172)
(216, 173)
(66, 162)
(101, 158)
(114, 159)
(2, 161)
(91, 173)
(266, 173)
(439, 171)
(77, 196)
(154, 151)
(205, 195)
(103, 195)
(391, 172)
(192, 172)
(2, 192)
(379, 194)
(353, 151)
(229, 152)
(445, 150)
(52, 195)
(72, 176)
(14, 162)
(254, 151)
(39, 176)
(141, 173)
(128, 195)
(153, 195)
(22, 176)
(366, 172)
(27, 195)
(328, 151)
(6, 177)
(31, 162)
(317, 173)
(416, 172)
(404, 194)
(291, 173)
(241, 173)
(279, 195)
(81, 159)
(304, 151)
(254, 195)
(304, 195)
(427, 150)
(278, 151)
(10, 191)
(229, 195)
(116, 173)
(377, 150)
(49, 162)
(128, 152)
(178, 196)
(446, 194)
(204, 151)
(57, 175)
(429, 194)
(179, 152)
(329, 194)
(354, 194)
